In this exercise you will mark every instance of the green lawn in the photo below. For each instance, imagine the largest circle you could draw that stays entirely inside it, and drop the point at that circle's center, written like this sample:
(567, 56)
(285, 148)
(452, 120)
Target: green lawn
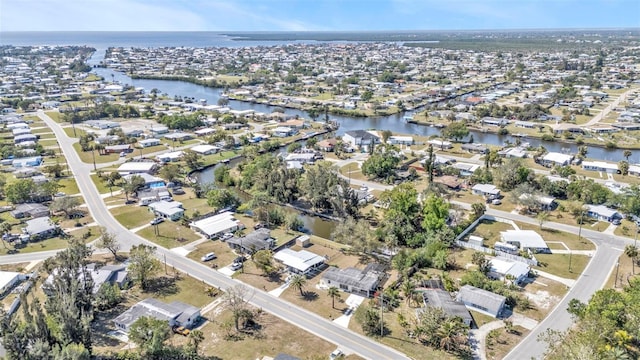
(558, 264)
(47, 136)
(87, 157)
(216, 158)
(100, 185)
(48, 142)
(56, 116)
(42, 130)
(148, 150)
(69, 186)
(78, 133)
(170, 232)
(132, 216)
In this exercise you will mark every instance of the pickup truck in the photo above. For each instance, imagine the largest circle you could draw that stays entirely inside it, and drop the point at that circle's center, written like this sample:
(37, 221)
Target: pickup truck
(181, 330)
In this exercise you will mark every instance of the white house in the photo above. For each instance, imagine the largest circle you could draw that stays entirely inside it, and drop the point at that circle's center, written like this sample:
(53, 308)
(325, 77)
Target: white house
(602, 213)
(170, 156)
(205, 149)
(360, 138)
(149, 142)
(525, 240)
(299, 262)
(137, 167)
(556, 159)
(600, 166)
(487, 190)
(400, 140)
(505, 269)
(171, 210)
(283, 131)
(441, 144)
(216, 225)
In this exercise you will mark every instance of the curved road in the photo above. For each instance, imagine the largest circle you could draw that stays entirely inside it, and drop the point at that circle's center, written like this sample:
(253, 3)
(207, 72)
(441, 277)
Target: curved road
(344, 338)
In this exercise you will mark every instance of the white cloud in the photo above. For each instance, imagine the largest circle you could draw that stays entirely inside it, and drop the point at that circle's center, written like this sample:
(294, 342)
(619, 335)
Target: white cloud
(96, 15)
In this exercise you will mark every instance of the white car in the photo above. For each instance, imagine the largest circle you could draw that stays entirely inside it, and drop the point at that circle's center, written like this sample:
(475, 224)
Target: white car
(156, 221)
(208, 257)
(335, 354)
(235, 266)
(226, 236)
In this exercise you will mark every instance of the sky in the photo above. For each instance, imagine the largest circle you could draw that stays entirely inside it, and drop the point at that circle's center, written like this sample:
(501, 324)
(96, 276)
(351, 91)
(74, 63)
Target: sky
(313, 15)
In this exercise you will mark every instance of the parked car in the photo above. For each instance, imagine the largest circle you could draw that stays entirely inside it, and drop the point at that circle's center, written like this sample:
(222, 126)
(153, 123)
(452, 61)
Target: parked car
(178, 191)
(226, 236)
(235, 266)
(208, 257)
(181, 330)
(156, 221)
(240, 259)
(258, 226)
(130, 201)
(123, 154)
(496, 202)
(335, 354)
(616, 222)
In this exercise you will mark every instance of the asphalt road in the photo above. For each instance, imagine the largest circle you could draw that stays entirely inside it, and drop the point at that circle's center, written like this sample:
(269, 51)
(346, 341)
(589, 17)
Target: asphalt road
(344, 338)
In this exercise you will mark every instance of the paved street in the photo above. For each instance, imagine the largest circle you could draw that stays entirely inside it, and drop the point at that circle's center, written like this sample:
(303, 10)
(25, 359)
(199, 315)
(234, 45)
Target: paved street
(302, 318)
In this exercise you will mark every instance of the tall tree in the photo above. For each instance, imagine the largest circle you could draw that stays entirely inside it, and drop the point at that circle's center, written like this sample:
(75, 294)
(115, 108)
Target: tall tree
(170, 172)
(632, 252)
(192, 159)
(455, 131)
(334, 293)
(627, 154)
(298, 282)
(149, 334)
(143, 265)
(132, 184)
(108, 241)
(66, 204)
(222, 198)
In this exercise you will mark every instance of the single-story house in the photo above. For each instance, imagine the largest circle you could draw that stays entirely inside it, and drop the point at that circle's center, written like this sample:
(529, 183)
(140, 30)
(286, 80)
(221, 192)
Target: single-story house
(175, 314)
(159, 130)
(204, 132)
(364, 282)
(475, 148)
(556, 159)
(259, 239)
(525, 240)
(24, 138)
(8, 279)
(466, 169)
(205, 149)
(111, 274)
(171, 210)
(283, 131)
(545, 203)
(20, 131)
(481, 300)
(151, 195)
(137, 167)
(41, 228)
(303, 158)
(505, 269)
(116, 149)
(299, 262)
(600, 166)
(170, 156)
(506, 248)
(216, 225)
(513, 152)
(178, 136)
(440, 144)
(486, 190)
(33, 210)
(27, 162)
(149, 142)
(400, 140)
(439, 298)
(102, 124)
(326, 145)
(602, 213)
(491, 121)
(360, 138)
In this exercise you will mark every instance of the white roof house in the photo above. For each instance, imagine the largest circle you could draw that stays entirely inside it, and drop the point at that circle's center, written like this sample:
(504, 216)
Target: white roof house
(600, 166)
(555, 158)
(8, 279)
(485, 190)
(299, 262)
(170, 156)
(134, 167)
(172, 210)
(501, 268)
(205, 149)
(602, 213)
(525, 239)
(217, 225)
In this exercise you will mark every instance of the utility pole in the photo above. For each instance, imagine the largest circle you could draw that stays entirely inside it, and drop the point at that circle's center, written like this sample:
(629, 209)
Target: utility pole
(381, 312)
(93, 155)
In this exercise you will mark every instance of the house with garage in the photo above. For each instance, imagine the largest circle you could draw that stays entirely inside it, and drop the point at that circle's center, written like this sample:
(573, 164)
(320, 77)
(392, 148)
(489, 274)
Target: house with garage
(600, 166)
(301, 262)
(475, 148)
(205, 149)
(283, 131)
(400, 140)
(364, 282)
(148, 142)
(170, 156)
(481, 300)
(326, 145)
(217, 225)
(117, 149)
(171, 210)
(175, 314)
(525, 240)
(602, 213)
(487, 190)
(107, 274)
(137, 167)
(259, 239)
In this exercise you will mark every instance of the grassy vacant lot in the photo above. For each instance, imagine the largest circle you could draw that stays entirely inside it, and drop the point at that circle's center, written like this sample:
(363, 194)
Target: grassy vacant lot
(85, 156)
(222, 251)
(397, 337)
(78, 133)
(132, 216)
(56, 116)
(170, 232)
(100, 185)
(490, 231)
(625, 271)
(275, 336)
(49, 244)
(215, 158)
(627, 228)
(193, 204)
(69, 186)
(558, 264)
(544, 295)
(41, 130)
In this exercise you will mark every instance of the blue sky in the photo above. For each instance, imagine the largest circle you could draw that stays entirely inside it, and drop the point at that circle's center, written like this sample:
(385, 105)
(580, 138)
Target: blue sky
(310, 15)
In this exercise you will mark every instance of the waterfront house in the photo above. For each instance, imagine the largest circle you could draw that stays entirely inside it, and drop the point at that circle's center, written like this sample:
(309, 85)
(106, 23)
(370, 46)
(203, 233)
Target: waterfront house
(259, 239)
(326, 145)
(556, 159)
(400, 140)
(283, 131)
(205, 149)
(600, 166)
(300, 262)
(475, 148)
(216, 225)
(360, 139)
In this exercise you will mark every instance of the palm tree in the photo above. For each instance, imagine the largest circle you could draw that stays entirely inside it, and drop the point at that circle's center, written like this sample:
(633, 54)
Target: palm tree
(334, 292)
(298, 282)
(542, 217)
(452, 334)
(632, 252)
(627, 154)
(408, 289)
(196, 337)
